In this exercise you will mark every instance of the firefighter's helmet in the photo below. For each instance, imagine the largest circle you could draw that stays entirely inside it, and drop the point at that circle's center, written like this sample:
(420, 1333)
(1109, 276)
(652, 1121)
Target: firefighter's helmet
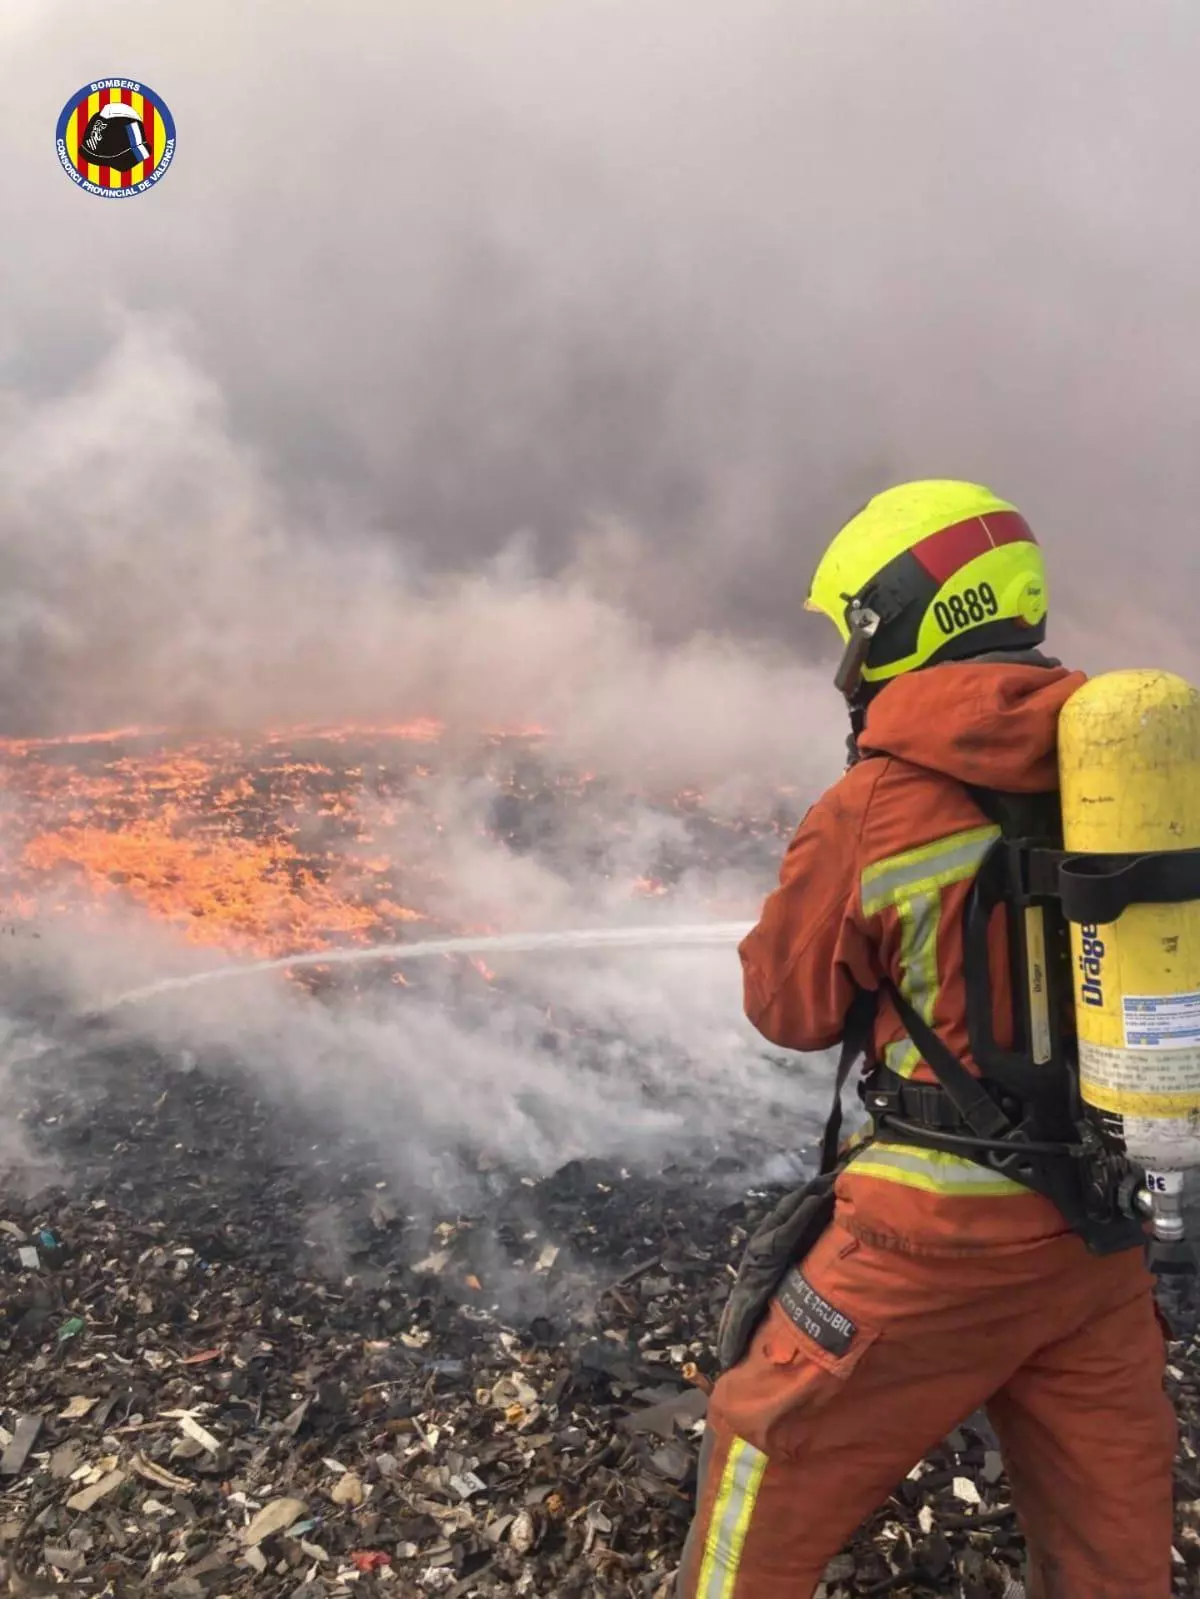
(929, 572)
(116, 138)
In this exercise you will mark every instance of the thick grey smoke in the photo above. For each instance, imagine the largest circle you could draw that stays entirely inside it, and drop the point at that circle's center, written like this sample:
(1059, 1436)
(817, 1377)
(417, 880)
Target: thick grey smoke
(513, 363)
(643, 1057)
(166, 585)
(661, 292)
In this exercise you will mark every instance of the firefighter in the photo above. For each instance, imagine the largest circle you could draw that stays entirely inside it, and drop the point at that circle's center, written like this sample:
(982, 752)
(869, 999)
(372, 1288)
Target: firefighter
(934, 1283)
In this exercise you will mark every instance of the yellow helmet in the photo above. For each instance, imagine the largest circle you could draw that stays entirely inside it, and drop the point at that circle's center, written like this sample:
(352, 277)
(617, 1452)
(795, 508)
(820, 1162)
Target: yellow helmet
(929, 572)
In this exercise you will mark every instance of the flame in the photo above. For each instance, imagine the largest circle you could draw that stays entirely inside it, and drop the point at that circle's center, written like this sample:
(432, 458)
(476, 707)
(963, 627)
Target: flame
(654, 887)
(22, 746)
(421, 730)
(257, 898)
(241, 845)
(269, 845)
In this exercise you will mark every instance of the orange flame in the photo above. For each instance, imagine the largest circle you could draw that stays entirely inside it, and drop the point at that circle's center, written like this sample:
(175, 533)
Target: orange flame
(230, 844)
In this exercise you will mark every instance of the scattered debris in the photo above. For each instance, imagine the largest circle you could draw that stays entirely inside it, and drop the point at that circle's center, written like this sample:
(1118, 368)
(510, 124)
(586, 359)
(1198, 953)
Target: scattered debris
(87, 1497)
(348, 1490)
(78, 1406)
(20, 1445)
(273, 1518)
(198, 1434)
(229, 1414)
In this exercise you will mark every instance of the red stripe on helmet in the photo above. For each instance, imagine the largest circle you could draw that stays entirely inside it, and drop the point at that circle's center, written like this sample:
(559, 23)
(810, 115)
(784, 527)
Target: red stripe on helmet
(944, 553)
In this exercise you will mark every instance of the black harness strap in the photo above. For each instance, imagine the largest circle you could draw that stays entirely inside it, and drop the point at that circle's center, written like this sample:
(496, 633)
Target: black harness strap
(979, 1112)
(1098, 888)
(1021, 1117)
(959, 1110)
(856, 1042)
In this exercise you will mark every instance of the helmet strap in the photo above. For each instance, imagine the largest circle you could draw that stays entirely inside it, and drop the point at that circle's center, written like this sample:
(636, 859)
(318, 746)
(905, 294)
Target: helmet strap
(858, 721)
(863, 624)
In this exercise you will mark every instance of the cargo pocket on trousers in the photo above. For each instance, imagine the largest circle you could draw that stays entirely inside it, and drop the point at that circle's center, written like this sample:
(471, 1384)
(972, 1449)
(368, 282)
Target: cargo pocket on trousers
(792, 1338)
(804, 1350)
(813, 1315)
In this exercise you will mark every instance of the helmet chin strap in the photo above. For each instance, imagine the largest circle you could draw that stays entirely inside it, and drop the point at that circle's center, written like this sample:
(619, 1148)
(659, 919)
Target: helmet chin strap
(858, 720)
(848, 680)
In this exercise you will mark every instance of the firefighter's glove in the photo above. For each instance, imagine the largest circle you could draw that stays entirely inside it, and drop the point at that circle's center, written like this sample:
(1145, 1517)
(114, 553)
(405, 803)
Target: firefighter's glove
(782, 1238)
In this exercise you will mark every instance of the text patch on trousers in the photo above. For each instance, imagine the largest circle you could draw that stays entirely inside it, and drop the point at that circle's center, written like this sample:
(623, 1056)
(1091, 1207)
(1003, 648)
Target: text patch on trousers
(815, 1316)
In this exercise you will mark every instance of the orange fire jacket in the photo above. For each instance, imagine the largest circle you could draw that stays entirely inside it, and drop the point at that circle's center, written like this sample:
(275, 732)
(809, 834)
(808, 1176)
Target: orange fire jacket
(875, 883)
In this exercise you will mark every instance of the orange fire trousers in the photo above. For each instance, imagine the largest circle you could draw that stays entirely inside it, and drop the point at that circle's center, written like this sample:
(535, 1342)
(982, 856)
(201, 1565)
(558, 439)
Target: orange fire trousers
(806, 1438)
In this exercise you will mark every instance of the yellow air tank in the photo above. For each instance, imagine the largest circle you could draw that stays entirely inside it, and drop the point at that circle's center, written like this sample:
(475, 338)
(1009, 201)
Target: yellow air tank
(1129, 765)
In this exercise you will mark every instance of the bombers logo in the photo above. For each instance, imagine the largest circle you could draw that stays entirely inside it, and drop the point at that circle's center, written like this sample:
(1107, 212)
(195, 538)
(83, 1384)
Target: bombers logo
(1090, 956)
(115, 138)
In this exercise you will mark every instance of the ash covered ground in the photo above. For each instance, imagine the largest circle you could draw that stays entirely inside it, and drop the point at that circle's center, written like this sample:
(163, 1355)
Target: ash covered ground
(367, 1286)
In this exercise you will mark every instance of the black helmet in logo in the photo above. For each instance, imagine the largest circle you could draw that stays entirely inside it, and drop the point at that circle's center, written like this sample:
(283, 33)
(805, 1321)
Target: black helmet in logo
(115, 138)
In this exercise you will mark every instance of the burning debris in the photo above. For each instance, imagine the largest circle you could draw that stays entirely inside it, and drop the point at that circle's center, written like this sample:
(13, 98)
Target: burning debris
(245, 1353)
(280, 845)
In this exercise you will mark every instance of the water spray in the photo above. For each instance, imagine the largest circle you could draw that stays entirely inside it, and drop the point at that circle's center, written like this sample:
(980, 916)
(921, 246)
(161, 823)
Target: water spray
(704, 935)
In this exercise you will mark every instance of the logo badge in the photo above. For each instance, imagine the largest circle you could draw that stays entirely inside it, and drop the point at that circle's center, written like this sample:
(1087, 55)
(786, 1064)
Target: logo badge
(116, 138)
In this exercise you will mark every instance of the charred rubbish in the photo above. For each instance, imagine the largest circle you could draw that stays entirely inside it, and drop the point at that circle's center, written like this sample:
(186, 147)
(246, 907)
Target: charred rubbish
(242, 1370)
(241, 1357)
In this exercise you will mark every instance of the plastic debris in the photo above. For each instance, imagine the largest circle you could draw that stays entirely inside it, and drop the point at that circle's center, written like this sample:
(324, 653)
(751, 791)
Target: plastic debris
(369, 1559)
(522, 1534)
(20, 1445)
(87, 1497)
(348, 1490)
(259, 1350)
(272, 1518)
(77, 1407)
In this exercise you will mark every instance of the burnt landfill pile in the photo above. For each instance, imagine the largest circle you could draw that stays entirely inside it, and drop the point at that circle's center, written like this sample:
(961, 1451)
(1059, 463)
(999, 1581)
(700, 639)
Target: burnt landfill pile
(242, 1354)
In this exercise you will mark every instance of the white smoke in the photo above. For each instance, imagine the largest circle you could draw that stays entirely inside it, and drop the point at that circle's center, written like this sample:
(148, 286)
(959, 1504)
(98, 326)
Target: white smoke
(164, 584)
(532, 397)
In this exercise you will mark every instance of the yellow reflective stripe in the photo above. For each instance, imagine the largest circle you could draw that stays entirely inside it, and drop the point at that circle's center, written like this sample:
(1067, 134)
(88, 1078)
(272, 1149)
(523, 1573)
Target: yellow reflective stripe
(932, 1171)
(913, 883)
(903, 1057)
(926, 870)
(919, 919)
(740, 1482)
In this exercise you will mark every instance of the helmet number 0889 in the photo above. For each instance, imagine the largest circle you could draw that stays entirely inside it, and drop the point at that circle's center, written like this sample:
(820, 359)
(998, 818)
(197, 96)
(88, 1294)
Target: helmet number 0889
(966, 609)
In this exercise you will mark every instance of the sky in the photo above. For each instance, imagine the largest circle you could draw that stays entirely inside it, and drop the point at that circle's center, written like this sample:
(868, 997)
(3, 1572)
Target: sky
(455, 313)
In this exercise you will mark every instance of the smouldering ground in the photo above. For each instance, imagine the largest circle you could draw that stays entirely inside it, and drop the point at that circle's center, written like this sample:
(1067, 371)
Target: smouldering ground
(285, 843)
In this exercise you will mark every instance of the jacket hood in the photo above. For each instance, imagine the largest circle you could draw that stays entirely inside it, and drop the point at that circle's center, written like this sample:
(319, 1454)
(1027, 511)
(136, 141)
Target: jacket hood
(989, 724)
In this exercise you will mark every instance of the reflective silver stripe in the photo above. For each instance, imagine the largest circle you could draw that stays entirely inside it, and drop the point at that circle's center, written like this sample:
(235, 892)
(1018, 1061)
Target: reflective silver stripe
(913, 883)
(903, 1057)
(925, 870)
(931, 1170)
(740, 1483)
(919, 919)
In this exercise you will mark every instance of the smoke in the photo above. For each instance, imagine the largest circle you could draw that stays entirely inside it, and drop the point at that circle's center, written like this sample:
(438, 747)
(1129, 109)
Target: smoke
(652, 298)
(165, 585)
(642, 1057)
(22, 1048)
(514, 364)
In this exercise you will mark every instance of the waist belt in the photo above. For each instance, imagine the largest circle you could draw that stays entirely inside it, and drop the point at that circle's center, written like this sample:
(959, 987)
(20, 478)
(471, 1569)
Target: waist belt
(896, 1102)
(1065, 1173)
(886, 1094)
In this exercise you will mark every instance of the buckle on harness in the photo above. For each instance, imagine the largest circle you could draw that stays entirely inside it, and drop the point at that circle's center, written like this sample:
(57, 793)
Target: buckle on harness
(878, 1100)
